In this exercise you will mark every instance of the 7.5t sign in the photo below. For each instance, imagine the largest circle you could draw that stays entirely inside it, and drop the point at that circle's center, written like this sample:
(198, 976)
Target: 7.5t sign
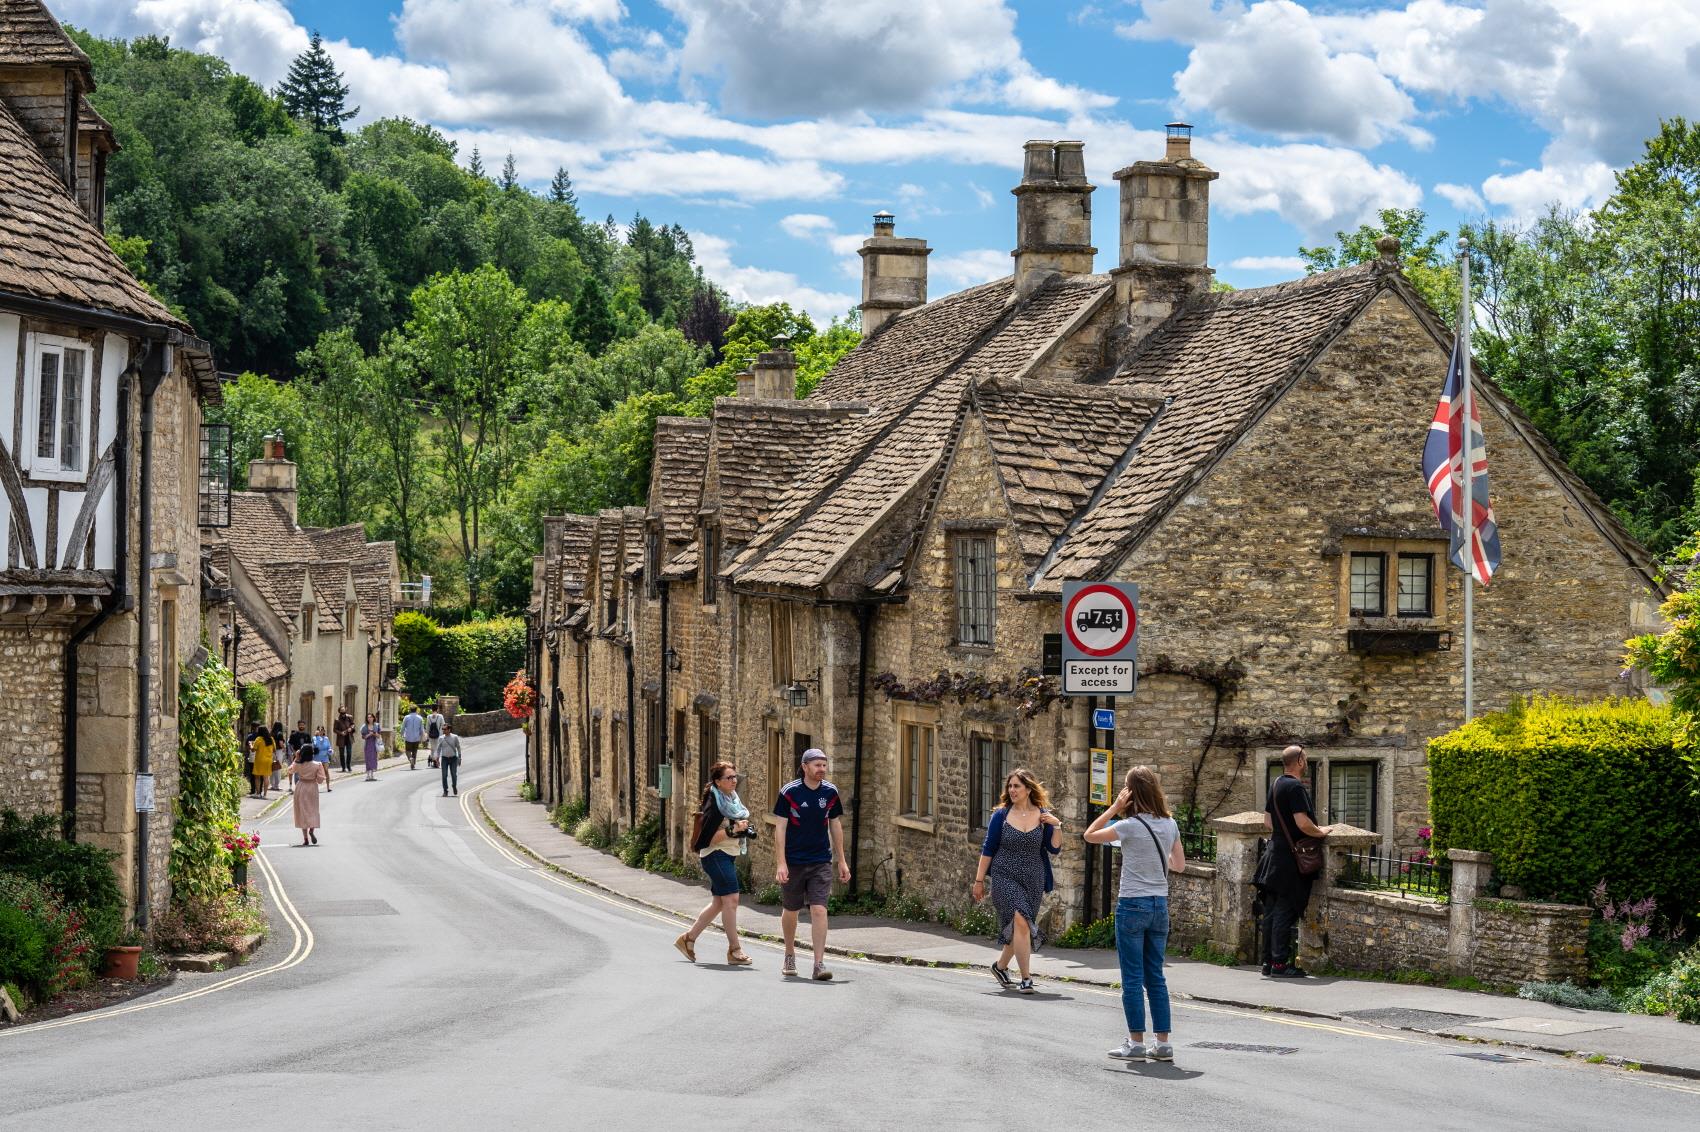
(1100, 638)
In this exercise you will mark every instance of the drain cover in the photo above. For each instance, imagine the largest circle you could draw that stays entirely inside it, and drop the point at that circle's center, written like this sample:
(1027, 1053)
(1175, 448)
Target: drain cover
(1496, 1058)
(1243, 1048)
(1406, 1019)
(346, 908)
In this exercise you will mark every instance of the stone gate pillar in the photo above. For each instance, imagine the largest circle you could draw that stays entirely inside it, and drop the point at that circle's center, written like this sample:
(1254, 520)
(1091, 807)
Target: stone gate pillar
(1231, 926)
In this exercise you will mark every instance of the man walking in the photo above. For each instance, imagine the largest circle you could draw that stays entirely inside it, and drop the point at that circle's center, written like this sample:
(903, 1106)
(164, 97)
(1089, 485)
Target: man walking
(807, 842)
(448, 757)
(412, 734)
(1287, 816)
(345, 739)
(434, 731)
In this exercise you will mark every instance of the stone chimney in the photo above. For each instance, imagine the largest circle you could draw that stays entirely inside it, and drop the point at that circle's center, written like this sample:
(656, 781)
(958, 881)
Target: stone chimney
(1165, 232)
(775, 371)
(746, 383)
(274, 474)
(894, 273)
(1053, 215)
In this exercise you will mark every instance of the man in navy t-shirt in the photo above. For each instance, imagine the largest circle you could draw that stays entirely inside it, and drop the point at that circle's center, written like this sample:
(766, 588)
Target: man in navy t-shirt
(810, 838)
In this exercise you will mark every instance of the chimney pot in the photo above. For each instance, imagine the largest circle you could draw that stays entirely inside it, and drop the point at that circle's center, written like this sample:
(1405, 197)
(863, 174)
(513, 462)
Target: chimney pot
(1179, 144)
(746, 383)
(885, 224)
(774, 375)
(1041, 162)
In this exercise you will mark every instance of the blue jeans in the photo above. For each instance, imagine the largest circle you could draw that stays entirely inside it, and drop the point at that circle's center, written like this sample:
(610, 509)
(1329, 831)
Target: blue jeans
(1142, 932)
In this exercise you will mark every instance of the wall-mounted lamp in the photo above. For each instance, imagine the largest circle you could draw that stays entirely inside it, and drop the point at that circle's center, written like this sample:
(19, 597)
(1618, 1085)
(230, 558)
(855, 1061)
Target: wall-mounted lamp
(797, 692)
(671, 659)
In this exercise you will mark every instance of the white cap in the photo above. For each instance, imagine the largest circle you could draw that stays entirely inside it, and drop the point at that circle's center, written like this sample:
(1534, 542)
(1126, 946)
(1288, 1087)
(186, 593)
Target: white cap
(814, 753)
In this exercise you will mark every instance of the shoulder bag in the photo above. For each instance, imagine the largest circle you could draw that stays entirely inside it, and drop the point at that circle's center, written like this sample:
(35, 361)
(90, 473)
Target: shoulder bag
(1162, 857)
(1307, 851)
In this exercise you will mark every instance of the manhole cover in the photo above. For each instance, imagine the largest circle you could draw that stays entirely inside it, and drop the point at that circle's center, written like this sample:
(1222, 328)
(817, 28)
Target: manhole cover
(1243, 1048)
(1496, 1058)
(1406, 1019)
(346, 908)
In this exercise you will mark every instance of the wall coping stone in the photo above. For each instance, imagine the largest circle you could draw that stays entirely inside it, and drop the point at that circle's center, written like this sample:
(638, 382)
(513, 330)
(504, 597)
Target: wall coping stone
(1250, 822)
(1408, 902)
(1351, 837)
(1472, 856)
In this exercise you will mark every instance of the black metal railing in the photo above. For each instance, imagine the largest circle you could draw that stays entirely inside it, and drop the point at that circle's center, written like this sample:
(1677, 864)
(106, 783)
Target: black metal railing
(1410, 875)
(1198, 844)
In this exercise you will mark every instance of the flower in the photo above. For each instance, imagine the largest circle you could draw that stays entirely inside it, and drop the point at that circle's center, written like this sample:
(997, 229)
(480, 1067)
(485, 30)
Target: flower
(519, 697)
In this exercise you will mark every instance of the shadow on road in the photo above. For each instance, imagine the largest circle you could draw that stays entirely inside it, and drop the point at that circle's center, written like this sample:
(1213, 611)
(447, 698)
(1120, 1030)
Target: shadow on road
(1155, 1070)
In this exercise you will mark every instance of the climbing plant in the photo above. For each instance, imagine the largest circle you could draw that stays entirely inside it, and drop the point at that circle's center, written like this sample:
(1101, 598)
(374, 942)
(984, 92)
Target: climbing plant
(209, 783)
(1031, 692)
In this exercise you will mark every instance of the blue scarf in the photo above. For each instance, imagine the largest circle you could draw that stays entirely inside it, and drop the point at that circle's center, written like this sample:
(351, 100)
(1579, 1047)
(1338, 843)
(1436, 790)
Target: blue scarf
(729, 804)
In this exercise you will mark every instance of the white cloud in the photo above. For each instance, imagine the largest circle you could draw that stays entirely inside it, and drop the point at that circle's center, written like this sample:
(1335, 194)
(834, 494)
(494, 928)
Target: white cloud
(1462, 197)
(1288, 264)
(1526, 195)
(764, 285)
(707, 173)
(982, 195)
(967, 269)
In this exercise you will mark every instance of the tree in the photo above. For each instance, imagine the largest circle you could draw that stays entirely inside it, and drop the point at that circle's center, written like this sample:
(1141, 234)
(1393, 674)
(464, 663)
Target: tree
(339, 436)
(593, 319)
(510, 176)
(561, 189)
(256, 407)
(706, 318)
(406, 468)
(1425, 260)
(476, 165)
(313, 91)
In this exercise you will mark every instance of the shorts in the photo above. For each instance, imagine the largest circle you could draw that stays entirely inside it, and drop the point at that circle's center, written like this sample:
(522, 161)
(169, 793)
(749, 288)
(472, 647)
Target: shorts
(722, 870)
(809, 885)
(412, 746)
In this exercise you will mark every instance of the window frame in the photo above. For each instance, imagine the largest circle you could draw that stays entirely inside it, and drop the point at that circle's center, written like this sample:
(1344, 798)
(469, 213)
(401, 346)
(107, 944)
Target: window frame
(350, 620)
(975, 589)
(1380, 557)
(781, 660)
(980, 803)
(168, 666)
(1374, 766)
(309, 620)
(53, 468)
(917, 770)
(708, 741)
(709, 561)
(1427, 610)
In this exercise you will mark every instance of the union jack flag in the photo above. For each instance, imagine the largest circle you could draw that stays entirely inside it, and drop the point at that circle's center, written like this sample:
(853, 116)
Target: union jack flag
(1475, 535)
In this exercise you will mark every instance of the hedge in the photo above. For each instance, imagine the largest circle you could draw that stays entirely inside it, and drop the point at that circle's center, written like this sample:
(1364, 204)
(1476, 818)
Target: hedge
(473, 660)
(1566, 794)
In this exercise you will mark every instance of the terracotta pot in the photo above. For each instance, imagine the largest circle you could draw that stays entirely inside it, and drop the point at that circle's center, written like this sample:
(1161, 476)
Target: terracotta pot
(120, 963)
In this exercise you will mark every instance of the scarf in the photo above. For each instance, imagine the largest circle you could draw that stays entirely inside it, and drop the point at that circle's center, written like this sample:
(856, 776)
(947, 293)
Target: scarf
(729, 804)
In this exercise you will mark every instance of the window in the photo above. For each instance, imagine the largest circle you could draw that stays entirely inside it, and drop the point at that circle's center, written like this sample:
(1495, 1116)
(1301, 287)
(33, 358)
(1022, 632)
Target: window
(681, 753)
(168, 656)
(60, 369)
(988, 770)
(1274, 772)
(1352, 793)
(777, 775)
(1367, 593)
(306, 715)
(1416, 579)
(710, 565)
(708, 742)
(779, 626)
(596, 748)
(610, 612)
(350, 619)
(215, 475)
(976, 589)
(800, 742)
(307, 618)
(351, 701)
(652, 749)
(917, 743)
(652, 562)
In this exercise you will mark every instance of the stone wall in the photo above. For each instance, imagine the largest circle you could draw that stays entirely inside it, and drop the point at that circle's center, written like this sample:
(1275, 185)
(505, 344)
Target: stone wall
(1378, 931)
(1517, 941)
(470, 723)
(1192, 905)
(32, 696)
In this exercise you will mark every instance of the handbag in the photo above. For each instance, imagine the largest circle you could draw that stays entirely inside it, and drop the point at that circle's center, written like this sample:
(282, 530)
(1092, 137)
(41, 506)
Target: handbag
(1307, 851)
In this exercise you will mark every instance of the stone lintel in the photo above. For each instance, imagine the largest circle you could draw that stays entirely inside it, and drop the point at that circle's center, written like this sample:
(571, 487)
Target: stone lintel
(1470, 856)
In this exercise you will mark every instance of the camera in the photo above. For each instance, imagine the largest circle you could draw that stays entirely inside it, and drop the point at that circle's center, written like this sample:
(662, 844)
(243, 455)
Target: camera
(748, 832)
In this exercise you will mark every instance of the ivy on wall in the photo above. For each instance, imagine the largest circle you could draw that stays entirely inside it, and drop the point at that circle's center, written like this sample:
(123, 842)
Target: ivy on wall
(1031, 692)
(210, 783)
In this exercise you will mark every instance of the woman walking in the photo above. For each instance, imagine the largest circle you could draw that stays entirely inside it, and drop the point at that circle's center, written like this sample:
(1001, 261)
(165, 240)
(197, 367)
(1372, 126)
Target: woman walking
(1151, 849)
(263, 770)
(369, 733)
(278, 748)
(307, 773)
(720, 838)
(1020, 841)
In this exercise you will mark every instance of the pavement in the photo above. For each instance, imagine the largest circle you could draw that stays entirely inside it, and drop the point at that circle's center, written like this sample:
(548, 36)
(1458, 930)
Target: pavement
(1653, 1044)
(421, 972)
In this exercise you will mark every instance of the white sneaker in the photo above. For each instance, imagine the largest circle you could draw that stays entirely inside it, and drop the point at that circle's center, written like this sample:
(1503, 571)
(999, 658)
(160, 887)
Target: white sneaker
(1130, 1050)
(1162, 1051)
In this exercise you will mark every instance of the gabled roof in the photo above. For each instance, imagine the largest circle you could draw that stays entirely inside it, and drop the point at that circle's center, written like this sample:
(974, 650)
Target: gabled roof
(607, 552)
(31, 37)
(1219, 361)
(577, 531)
(681, 453)
(760, 448)
(632, 521)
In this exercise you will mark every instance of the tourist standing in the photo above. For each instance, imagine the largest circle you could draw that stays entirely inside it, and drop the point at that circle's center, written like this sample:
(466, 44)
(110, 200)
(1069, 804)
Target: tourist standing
(807, 842)
(264, 770)
(448, 757)
(280, 751)
(370, 736)
(412, 734)
(1288, 816)
(345, 740)
(434, 728)
(322, 753)
(1151, 849)
(306, 774)
(1021, 838)
(298, 739)
(721, 836)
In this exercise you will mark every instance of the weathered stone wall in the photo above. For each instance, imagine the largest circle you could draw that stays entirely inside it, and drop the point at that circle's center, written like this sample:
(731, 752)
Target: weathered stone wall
(1516, 941)
(1378, 931)
(32, 697)
(471, 723)
(1192, 905)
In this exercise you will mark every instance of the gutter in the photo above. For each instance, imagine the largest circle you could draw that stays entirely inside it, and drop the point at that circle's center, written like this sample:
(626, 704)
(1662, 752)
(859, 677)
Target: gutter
(631, 739)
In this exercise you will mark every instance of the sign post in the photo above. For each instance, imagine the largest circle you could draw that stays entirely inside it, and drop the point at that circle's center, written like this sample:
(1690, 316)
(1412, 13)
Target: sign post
(1100, 638)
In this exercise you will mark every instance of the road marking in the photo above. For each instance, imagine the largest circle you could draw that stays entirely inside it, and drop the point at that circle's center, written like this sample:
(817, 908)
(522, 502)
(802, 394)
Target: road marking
(298, 952)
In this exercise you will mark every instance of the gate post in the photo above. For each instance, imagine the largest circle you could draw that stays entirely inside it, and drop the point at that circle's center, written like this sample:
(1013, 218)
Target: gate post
(1232, 924)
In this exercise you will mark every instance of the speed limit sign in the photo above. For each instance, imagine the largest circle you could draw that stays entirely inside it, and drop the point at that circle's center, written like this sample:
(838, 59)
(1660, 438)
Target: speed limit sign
(1100, 631)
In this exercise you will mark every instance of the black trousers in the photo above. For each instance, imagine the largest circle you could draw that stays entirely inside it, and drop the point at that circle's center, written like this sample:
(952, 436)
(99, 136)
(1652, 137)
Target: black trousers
(345, 754)
(1283, 907)
(451, 773)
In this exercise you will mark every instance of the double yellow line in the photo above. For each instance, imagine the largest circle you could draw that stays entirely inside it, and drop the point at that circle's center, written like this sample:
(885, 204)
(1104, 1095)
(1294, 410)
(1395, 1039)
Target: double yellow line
(298, 952)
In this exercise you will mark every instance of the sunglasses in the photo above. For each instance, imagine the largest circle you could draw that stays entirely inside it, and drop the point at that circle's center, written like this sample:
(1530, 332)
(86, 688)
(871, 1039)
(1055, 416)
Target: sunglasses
(729, 778)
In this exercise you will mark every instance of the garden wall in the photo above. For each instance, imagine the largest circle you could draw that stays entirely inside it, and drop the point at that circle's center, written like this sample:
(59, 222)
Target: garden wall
(470, 723)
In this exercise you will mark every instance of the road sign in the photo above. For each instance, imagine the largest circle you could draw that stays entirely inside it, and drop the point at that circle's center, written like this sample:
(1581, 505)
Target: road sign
(1104, 719)
(1100, 631)
(1103, 765)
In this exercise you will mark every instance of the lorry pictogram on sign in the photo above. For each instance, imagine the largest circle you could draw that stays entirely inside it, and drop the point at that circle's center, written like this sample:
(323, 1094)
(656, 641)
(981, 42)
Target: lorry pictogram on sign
(1100, 630)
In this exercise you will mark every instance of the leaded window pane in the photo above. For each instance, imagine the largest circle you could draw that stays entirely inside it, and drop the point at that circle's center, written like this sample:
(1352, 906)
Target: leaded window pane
(1415, 582)
(976, 590)
(47, 406)
(1366, 585)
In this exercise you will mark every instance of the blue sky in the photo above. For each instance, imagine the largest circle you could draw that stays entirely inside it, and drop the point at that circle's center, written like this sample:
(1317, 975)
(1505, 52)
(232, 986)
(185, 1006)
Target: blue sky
(773, 129)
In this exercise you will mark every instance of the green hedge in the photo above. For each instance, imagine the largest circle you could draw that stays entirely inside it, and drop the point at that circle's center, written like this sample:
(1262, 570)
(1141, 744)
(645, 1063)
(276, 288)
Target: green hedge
(473, 660)
(1567, 794)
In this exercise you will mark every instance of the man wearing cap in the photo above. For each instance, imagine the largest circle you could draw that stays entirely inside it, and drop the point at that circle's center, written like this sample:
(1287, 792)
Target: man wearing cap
(809, 839)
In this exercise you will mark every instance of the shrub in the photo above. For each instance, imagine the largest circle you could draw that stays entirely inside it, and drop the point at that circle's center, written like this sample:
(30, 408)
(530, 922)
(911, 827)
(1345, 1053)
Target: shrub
(68, 958)
(634, 844)
(969, 918)
(1569, 994)
(528, 792)
(209, 791)
(23, 948)
(81, 875)
(1099, 933)
(569, 814)
(1674, 991)
(256, 702)
(769, 894)
(593, 833)
(474, 660)
(415, 638)
(209, 923)
(1565, 794)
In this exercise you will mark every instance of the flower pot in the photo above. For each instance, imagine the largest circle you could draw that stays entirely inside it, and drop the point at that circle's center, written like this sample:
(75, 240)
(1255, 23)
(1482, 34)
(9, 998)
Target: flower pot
(239, 875)
(120, 962)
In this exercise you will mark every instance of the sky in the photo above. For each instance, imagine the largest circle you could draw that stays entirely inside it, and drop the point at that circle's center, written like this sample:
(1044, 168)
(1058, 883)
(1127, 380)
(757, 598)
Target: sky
(772, 130)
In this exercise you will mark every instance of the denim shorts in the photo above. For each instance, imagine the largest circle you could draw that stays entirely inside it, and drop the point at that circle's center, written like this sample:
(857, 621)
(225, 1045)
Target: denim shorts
(722, 870)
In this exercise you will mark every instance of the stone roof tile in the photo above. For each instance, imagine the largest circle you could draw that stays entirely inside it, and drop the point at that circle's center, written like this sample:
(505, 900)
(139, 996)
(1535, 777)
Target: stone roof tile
(681, 454)
(30, 36)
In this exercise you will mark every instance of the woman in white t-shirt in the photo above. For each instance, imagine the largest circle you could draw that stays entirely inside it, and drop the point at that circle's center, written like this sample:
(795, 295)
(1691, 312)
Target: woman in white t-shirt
(1151, 849)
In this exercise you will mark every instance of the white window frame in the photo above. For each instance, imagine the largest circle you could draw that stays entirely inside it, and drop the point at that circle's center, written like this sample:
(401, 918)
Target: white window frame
(54, 468)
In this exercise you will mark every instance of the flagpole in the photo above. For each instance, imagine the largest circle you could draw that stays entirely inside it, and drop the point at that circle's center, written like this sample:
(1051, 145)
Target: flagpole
(1469, 500)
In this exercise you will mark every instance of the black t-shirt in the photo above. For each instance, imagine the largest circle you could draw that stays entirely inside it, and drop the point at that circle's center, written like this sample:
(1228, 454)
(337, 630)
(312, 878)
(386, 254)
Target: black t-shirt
(1287, 799)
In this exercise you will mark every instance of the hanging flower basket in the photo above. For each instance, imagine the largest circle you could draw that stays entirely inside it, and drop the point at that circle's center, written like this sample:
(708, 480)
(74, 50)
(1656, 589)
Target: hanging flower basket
(519, 697)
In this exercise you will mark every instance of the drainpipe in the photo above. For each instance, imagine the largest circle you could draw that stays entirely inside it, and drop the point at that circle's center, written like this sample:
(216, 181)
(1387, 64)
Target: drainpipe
(118, 600)
(631, 738)
(156, 363)
(666, 834)
(582, 645)
(864, 622)
(531, 675)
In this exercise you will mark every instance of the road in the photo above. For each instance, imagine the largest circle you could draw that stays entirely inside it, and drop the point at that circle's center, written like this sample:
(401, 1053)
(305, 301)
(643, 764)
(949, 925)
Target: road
(418, 976)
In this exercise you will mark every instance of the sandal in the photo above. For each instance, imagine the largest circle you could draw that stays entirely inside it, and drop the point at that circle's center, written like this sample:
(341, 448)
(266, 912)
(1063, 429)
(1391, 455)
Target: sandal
(737, 958)
(687, 947)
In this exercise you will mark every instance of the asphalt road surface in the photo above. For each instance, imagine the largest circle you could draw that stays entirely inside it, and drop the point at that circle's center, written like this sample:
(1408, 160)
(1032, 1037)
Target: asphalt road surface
(419, 976)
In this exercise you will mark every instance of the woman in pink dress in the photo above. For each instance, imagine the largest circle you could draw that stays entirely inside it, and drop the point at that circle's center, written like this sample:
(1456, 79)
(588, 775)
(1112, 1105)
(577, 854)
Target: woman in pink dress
(307, 775)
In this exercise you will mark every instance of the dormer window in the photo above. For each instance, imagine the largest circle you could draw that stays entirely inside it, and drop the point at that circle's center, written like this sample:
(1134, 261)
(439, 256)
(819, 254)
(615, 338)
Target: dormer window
(307, 615)
(58, 399)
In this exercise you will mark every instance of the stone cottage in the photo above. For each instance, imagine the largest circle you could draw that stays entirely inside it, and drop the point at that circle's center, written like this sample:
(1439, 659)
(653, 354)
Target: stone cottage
(873, 569)
(304, 612)
(101, 392)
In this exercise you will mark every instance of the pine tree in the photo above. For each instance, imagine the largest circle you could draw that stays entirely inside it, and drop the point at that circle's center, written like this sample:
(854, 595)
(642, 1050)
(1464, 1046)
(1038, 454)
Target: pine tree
(476, 165)
(314, 91)
(593, 318)
(561, 188)
(510, 176)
